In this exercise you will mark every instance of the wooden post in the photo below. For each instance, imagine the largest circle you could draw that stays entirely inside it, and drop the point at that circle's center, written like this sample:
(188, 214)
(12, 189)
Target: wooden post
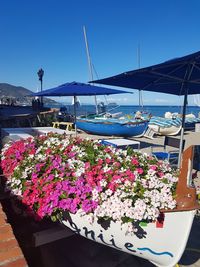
(186, 193)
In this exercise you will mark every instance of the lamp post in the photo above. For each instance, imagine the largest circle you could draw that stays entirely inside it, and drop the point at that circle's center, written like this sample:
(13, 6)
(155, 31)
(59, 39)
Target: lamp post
(40, 75)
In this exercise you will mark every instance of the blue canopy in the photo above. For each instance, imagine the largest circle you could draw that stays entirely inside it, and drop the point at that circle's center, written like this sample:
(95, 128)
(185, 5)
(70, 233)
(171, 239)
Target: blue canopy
(179, 76)
(78, 89)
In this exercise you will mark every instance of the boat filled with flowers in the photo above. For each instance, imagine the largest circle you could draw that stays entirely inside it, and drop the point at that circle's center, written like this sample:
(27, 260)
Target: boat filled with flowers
(120, 198)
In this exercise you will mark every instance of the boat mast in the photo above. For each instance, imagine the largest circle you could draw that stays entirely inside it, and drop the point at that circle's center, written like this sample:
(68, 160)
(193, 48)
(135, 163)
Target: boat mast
(89, 64)
(140, 92)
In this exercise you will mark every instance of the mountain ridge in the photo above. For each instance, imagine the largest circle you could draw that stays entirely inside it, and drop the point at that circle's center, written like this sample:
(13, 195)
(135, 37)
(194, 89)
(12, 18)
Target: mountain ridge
(19, 93)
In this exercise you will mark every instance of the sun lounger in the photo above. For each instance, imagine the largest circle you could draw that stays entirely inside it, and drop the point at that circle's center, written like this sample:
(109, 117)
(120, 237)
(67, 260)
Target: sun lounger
(46, 130)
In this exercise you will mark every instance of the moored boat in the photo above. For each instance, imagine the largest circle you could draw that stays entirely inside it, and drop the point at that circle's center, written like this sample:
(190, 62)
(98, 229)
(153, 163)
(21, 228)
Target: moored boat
(165, 126)
(190, 119)
(171, 125)
(112, 126)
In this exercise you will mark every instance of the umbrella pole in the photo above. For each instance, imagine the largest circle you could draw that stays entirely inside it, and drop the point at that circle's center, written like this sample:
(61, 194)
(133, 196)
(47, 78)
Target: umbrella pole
(182, 128)
(75, 115)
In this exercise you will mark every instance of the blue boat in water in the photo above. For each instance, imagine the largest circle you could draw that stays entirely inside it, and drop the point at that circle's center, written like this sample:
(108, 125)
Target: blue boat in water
(112, 126)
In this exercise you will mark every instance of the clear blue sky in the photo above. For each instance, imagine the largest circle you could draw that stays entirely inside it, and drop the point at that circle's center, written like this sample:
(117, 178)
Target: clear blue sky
(49, 34)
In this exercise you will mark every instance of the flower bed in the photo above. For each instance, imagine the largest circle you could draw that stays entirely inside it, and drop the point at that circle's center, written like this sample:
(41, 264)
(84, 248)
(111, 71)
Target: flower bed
(52, 174)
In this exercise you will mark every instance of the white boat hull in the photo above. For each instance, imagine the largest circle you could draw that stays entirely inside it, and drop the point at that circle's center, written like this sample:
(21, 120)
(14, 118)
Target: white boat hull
(172, 130)
(152, 243)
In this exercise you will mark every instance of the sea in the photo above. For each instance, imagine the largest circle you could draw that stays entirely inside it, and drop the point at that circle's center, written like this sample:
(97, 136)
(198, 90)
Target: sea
(131, 109)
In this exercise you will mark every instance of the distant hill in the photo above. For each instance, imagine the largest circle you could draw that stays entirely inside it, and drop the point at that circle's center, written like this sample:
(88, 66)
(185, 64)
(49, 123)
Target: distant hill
(19, 94)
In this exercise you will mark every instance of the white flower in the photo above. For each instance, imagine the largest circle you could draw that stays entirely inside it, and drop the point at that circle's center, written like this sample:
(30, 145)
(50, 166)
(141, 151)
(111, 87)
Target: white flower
(108, 192)
(103, 183)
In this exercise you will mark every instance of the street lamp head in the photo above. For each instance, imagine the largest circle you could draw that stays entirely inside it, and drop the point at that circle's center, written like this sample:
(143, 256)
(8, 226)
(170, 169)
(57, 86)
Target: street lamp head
(40, 74)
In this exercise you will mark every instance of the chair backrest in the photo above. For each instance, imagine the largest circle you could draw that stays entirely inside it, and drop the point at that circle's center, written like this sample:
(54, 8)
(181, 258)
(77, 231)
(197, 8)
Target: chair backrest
(173, 142)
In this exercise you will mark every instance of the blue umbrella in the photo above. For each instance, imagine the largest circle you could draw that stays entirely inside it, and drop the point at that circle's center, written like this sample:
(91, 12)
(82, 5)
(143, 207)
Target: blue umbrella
(78, 89)
(179, 76)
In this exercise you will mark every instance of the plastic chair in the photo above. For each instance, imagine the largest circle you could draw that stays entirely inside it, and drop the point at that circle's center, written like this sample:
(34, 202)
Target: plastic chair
(169, 155)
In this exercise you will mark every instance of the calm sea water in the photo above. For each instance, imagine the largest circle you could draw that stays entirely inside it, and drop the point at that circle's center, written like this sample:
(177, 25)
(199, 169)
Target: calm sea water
(154, 110)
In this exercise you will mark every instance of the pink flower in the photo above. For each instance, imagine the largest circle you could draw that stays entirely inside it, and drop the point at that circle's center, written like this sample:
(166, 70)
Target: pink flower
(153, 167)
(87, 165)
(161, 174)
(131, 175)
(107, 149)
(140, 170)
(100, 161)
(117, 164)
(134, 161)
(108, 160)
(112, 186)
